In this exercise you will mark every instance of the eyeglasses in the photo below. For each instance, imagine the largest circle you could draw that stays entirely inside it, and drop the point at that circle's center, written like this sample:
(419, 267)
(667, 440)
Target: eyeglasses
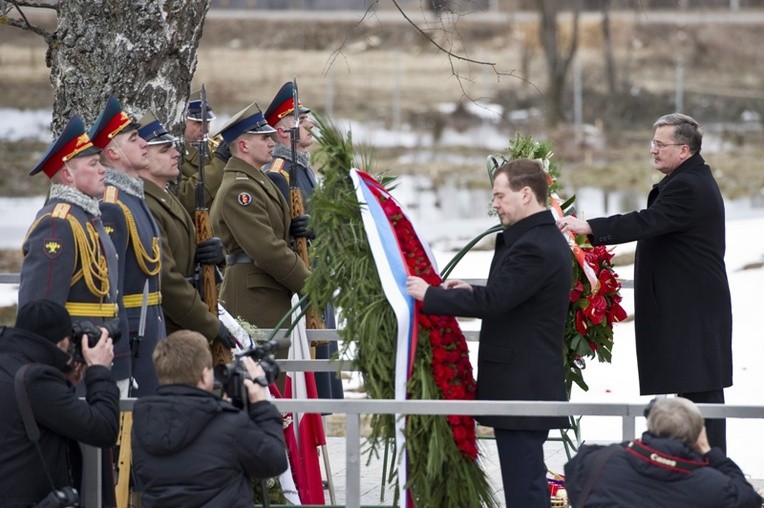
(660, 144)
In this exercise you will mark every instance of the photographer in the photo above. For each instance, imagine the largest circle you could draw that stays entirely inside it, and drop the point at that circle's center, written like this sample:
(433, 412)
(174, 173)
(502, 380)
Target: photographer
(41, 338)
(671, 465)
(190, 447)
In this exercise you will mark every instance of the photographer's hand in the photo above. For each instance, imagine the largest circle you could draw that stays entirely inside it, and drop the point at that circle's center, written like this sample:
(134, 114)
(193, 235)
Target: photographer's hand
(102, 353)
(701, 445)
(255, 391)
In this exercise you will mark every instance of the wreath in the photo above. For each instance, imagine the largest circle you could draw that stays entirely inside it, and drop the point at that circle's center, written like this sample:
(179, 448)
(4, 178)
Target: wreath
(442, 467)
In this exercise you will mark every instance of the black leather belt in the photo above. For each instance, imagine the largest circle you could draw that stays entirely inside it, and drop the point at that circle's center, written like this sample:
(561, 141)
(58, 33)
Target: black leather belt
(238, 259)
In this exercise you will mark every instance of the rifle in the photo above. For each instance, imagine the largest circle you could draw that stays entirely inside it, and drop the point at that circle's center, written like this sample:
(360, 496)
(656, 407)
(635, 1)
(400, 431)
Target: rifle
(125, 441)
(313, 320)
(207, 285)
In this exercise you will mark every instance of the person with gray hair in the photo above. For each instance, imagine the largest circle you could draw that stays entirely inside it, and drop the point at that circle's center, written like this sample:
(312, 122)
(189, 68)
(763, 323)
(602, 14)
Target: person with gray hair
(683, 313)
(677, 418)
(671, 465)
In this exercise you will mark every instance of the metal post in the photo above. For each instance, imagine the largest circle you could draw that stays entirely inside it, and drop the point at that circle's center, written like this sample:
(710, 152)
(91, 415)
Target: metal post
(91, 476)
(353, 460)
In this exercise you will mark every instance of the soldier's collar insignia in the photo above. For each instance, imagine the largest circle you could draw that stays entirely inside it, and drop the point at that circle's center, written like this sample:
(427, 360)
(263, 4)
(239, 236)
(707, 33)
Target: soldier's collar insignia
(52, 247)
(245, 198)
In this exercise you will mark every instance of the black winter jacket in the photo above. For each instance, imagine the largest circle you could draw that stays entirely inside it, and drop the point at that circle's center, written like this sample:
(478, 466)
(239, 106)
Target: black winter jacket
(655, 479)
(190, 448)
(63, 419)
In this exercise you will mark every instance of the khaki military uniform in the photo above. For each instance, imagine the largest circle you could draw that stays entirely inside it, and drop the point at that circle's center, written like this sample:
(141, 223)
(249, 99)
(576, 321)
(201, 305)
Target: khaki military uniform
(182, 304)
(251, 217)
(189, 177)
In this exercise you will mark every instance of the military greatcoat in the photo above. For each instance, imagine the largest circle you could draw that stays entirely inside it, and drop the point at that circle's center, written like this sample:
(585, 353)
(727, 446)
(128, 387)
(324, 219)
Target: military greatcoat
(328, 384)
(189, 177)
(251, 217)
(305, 178)
(182, 304)
(69, 258)
(135, 235)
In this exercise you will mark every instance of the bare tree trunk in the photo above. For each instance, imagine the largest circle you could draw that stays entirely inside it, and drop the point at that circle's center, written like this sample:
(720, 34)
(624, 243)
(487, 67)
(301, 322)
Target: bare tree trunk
(557, 60)
(607, 39)
(142, 51)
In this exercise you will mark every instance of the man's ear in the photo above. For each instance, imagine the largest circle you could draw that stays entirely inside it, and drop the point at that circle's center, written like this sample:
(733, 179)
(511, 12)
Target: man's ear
(528, 195)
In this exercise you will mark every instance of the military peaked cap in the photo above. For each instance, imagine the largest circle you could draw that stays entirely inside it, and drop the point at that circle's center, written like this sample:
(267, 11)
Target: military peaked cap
(110, 122)
(194, 109)
(282, 105)
(153, 131)
(72, 142)
(248, 120)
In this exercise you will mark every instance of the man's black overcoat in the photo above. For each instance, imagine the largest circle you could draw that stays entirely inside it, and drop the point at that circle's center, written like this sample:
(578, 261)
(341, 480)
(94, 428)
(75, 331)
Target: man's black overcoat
(523, 307)
(682, 299)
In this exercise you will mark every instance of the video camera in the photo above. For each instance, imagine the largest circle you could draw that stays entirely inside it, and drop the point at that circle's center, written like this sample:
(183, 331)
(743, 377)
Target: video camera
(231, 376)
(93, 332)
(66, 497)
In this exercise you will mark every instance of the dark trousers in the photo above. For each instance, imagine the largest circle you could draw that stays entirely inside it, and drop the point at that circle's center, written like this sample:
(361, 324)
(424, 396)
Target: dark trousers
(716, 428)
(523, 472)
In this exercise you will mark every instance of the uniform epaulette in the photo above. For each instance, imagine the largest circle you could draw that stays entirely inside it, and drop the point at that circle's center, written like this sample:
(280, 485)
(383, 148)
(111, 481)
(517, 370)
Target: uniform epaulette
(278, 167)
(110, 194)
(61, 210)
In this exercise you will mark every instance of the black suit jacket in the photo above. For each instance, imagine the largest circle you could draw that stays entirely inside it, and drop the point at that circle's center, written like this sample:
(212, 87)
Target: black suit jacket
(682, 299)
(523, 307)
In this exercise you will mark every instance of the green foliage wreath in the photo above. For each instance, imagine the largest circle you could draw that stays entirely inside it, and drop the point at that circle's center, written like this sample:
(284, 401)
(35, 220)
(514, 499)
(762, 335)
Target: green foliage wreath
(345, 275)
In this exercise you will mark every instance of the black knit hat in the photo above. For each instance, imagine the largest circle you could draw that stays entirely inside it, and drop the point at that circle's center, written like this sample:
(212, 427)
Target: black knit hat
(45, 318)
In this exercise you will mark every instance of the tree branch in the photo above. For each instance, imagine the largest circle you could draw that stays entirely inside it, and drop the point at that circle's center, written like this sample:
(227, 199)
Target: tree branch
(24, 23)
(434, 43)
(336, 52)
(41, 4)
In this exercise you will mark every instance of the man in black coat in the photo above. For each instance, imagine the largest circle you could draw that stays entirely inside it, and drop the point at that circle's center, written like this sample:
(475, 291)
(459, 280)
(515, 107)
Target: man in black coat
(682, 299)
(190, 447)
(523, 307)
(41, 338)
(672, 465)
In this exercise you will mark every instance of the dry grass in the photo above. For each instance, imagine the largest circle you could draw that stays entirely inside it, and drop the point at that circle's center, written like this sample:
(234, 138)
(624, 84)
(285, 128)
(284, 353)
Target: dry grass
(365, 71)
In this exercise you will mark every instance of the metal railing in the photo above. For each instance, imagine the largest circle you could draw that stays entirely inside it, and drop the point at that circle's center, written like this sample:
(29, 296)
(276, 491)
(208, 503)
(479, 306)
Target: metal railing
(354, 409)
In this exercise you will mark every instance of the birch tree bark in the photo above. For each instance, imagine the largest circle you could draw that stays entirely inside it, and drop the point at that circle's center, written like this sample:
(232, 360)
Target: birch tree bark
(142, 51)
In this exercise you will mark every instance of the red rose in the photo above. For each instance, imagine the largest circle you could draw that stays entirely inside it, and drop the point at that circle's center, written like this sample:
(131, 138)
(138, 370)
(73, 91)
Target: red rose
(459, 433)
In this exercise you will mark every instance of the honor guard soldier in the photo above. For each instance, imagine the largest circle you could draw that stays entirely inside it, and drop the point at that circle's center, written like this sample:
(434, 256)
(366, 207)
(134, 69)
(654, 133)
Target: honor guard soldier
(216, 156)
(68, 256)
(135, 235)
(280, 115)
(182, 305)
(251, 216)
